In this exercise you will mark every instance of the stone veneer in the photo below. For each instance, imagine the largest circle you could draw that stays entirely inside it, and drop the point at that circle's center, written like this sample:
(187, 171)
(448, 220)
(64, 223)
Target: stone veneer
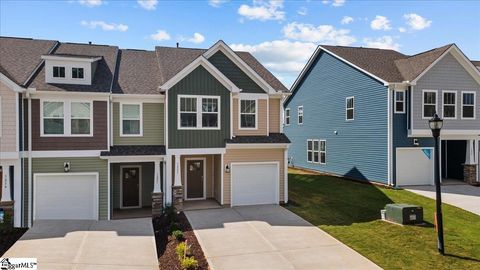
(178, 198)
(157, 204)
(470, 174)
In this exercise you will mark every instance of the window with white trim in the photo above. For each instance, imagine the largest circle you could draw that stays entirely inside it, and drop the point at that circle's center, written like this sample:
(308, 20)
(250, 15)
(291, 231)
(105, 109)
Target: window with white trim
(248, 114)
(58, 72)
(198, 112)
(131, 119)
(300, 115)
(350, 108)
(80, 118)
(316, 151)
(449, 104)
(323, 152)
(399, 101)
(468, 105)
(287, 116)
(77, 73)
(53, 118)
(429, 103)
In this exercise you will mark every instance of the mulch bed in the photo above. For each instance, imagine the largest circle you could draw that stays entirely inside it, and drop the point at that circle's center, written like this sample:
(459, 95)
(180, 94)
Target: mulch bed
(166, 244)
(8, 237)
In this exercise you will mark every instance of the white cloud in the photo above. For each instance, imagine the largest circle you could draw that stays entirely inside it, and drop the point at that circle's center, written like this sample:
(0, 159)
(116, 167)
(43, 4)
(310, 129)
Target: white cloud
(217, 3)
(346, 20)
(380, 23)
(416, 22)
(402, 29)
(91, 3)
(263, 10)
(197, 38)
(148, 4)
(335, 3)
(322, 33)
(302, 11)
(284, 58)
(105, 26)
(160, 35)
(385, 42)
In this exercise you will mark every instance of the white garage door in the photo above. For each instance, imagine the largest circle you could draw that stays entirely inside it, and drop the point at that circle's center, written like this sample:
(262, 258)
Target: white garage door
(65, 196)
(254, 184)
(415, 166)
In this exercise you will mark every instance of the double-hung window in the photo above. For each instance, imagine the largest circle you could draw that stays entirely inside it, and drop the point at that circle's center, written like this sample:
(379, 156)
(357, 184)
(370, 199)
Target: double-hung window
(53, 118)
(429, 103)
(468, 105)
(80, 118)
(77, 73)
(300, 115)
(349, 108)
(131, 122)
(198, 112)
(399, 101)
(323, 152)
(449, 104)
(287, 116)
(316, 151)
(59, 72)
(248, 114)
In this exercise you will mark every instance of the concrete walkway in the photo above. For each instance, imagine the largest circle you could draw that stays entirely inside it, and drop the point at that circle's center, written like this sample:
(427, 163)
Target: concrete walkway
(83, 244)
(268, 237)
(462, 196)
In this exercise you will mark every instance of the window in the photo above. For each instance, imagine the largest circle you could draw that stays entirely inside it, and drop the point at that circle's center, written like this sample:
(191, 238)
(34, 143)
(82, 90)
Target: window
(53, 118)
(399, 101)
(59, 72)
(287, 116)
(429, 103)
(468, 105)
(198, 112)
(248, 114)
(77, 73)
(349, 108)
(80, 118)
(300, 115)
(316, 151)
(131, 122)
(449, 105)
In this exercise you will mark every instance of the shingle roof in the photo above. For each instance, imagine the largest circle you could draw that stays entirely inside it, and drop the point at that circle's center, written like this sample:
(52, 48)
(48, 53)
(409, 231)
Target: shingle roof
(137, 73)
(476, 63)
(103, 77)
(272, 138)
(135, 150)
(20, 56)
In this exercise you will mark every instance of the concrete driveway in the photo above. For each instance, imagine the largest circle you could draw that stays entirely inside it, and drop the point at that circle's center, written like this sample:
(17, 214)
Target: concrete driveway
(84, 244)
(268, 237)
(462, 196)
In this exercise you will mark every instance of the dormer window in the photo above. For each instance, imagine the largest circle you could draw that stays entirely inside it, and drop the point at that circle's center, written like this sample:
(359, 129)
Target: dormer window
(59, 72)
(77, 73)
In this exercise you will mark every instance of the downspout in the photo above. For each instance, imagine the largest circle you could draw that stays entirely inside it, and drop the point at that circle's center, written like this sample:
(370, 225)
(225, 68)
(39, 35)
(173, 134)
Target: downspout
(30, 191)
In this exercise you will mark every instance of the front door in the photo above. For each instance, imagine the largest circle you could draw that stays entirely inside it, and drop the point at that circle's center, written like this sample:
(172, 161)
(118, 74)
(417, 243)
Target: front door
(130, 187)
(195, 179)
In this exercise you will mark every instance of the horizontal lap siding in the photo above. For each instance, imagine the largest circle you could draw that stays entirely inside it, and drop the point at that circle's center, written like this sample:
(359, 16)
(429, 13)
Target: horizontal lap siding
(274, 114)
(153, 126)
(262, 116)
(253, 155)
(8, 124)
(359, 149)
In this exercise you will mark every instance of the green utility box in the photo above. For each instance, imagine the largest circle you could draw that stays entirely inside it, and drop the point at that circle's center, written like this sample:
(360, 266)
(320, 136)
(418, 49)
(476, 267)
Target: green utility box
(404, 213)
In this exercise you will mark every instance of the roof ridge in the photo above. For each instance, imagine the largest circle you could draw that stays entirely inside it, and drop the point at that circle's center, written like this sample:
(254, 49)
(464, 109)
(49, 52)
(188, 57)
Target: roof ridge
(25, 38)
(183, 48)
(88, 44)
(420, 53)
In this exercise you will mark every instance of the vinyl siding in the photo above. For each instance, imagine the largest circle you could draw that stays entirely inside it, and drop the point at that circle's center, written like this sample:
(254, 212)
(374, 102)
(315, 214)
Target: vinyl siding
(262, 116)
(147, 172)
(78, 164)
(359, 149)
(234, 73)
(252, 155)
(447, 74)
(198, 82)
(153, 126)
(8, 117)
(274, 114)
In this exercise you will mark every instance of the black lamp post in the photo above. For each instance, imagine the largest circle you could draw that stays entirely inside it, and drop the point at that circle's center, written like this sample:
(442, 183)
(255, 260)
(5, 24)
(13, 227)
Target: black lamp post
(436, 124)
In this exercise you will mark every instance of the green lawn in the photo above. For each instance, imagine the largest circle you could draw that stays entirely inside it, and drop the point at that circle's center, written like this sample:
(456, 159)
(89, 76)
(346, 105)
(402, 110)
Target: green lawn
(350, 212)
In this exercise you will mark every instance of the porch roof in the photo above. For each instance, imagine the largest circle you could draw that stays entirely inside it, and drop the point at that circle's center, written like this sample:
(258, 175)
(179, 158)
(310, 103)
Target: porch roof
(135, 150)
(271, 138)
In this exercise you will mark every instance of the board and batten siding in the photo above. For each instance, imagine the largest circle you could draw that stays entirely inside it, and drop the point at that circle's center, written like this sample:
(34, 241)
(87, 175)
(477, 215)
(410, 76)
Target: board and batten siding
(253, 155)
(356, 149)
(77, 164)
(153, 126)
(8, 117)
(198, 82)
(147, 173)
(234, 73)
(262, 116)
(447, 75)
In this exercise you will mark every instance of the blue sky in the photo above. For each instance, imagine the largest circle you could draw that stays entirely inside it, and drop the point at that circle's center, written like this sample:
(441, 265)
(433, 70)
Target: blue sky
(281, 34)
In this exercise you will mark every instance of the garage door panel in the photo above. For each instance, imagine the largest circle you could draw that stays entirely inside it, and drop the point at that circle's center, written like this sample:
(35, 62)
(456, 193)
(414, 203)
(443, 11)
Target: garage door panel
(414, 166)
(254, 184)
(66, 196)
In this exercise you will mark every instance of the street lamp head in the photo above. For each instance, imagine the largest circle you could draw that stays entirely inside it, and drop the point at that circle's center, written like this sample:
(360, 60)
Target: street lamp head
(436, 124)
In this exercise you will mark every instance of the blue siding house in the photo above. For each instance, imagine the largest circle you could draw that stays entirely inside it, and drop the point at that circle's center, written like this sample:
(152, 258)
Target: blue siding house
(361, 113)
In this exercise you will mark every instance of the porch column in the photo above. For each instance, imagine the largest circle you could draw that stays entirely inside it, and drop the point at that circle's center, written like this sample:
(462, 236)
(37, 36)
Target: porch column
(178, 180)
(157, 184)
(177, 187)
(470, 166)
(157, 195)
(6, 190)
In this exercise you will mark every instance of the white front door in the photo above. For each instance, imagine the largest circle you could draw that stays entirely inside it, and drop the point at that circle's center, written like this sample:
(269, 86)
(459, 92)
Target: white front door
(415, 166)
(254, 183)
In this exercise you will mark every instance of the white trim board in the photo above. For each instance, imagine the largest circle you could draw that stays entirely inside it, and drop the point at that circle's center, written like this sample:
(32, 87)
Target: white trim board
(140, 182)
(11, 84)
(195, 151)
(204, 159)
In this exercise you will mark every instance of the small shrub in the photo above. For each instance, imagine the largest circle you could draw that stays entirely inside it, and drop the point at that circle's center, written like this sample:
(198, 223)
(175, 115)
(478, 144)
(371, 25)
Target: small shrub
(189, 263)
(178, 235)
(174, 227)
(180, 250)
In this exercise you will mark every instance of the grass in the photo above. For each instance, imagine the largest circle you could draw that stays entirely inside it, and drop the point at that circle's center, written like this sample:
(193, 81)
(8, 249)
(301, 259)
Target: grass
(350, 212)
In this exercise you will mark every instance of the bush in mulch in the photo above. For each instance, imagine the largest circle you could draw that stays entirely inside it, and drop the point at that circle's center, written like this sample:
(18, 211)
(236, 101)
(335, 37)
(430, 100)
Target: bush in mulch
(167, 242)
(9, 235)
